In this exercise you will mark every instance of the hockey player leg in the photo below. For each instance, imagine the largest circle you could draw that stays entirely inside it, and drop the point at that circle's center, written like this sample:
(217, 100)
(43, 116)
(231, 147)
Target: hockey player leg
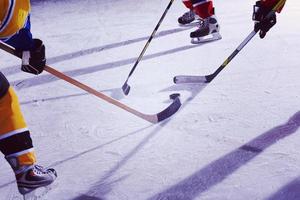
(16, 145)
(188, 17)
(36, 193)
(209, 29)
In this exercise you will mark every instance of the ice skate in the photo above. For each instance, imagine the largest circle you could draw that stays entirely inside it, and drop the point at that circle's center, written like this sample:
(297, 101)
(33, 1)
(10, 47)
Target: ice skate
(35, 182)
(188, 18)
(208, 31)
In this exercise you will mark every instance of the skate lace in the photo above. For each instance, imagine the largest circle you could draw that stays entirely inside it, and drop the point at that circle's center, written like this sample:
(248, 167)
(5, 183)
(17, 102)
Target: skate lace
(39, 170)
(203, 23)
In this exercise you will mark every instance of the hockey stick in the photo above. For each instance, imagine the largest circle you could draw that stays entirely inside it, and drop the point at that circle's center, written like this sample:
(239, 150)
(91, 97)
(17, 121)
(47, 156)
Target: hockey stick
(154, 118)
(126, 87)
(208, 78)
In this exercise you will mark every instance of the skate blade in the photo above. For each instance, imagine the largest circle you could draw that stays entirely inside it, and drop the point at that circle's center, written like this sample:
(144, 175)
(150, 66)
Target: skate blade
(192, 24)
(208, 38)
(39, 193)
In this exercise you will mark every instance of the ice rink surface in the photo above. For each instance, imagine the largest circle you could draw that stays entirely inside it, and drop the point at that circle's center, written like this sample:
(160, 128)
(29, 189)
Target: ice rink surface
(236, 138)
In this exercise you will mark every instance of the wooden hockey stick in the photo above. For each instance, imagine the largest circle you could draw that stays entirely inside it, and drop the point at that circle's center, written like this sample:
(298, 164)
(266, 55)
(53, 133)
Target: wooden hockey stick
(153, 118)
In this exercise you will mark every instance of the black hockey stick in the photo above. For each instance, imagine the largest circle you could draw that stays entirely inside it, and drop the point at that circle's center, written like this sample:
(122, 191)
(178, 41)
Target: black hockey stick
(208, 78)
(126, 87)
(154, 118)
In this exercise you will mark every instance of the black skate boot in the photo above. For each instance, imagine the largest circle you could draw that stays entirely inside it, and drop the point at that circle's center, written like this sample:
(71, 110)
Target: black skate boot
(34, 178)
(30, 178)
(187, 18)
(207, 31)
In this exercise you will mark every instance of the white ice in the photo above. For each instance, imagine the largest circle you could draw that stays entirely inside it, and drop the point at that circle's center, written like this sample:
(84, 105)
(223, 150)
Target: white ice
(237, 138)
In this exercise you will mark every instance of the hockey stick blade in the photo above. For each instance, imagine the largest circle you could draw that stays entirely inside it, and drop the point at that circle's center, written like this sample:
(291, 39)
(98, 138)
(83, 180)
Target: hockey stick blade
(210, 77)
(170, 110)
(126, 88)
(181, 79)
(155, 118)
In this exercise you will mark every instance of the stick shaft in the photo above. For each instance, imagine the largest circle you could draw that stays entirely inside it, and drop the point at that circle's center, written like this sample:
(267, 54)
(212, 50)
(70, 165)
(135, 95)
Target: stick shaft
(149, 40)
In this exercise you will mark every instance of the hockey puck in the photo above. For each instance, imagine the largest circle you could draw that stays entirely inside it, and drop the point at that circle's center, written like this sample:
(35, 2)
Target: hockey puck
(174, 95)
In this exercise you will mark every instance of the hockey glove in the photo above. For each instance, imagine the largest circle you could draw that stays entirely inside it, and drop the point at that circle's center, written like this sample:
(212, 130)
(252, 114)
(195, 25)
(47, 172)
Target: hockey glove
(34, 61)
(264, 18)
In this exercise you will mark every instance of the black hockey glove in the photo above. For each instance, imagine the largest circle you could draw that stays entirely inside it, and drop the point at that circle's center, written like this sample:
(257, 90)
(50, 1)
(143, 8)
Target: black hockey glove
(264, 18)
(34, 61)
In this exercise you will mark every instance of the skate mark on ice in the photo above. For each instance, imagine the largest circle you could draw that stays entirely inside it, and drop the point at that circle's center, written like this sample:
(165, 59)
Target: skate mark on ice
(102, 189)
(85, 52)
(111, 91)
(7, 184)
(84, 152)
(68, 56)
(98, 147)
(13, 193)
(53, 98)
(215, 172)
(97, 190)
(44, 79)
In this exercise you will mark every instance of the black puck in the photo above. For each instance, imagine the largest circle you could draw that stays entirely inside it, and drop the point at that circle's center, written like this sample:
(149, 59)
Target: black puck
(174, 95)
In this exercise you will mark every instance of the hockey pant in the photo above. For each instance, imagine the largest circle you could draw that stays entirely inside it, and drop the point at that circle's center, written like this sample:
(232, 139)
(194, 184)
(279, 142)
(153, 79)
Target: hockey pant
(202, 8)
(15, 140)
